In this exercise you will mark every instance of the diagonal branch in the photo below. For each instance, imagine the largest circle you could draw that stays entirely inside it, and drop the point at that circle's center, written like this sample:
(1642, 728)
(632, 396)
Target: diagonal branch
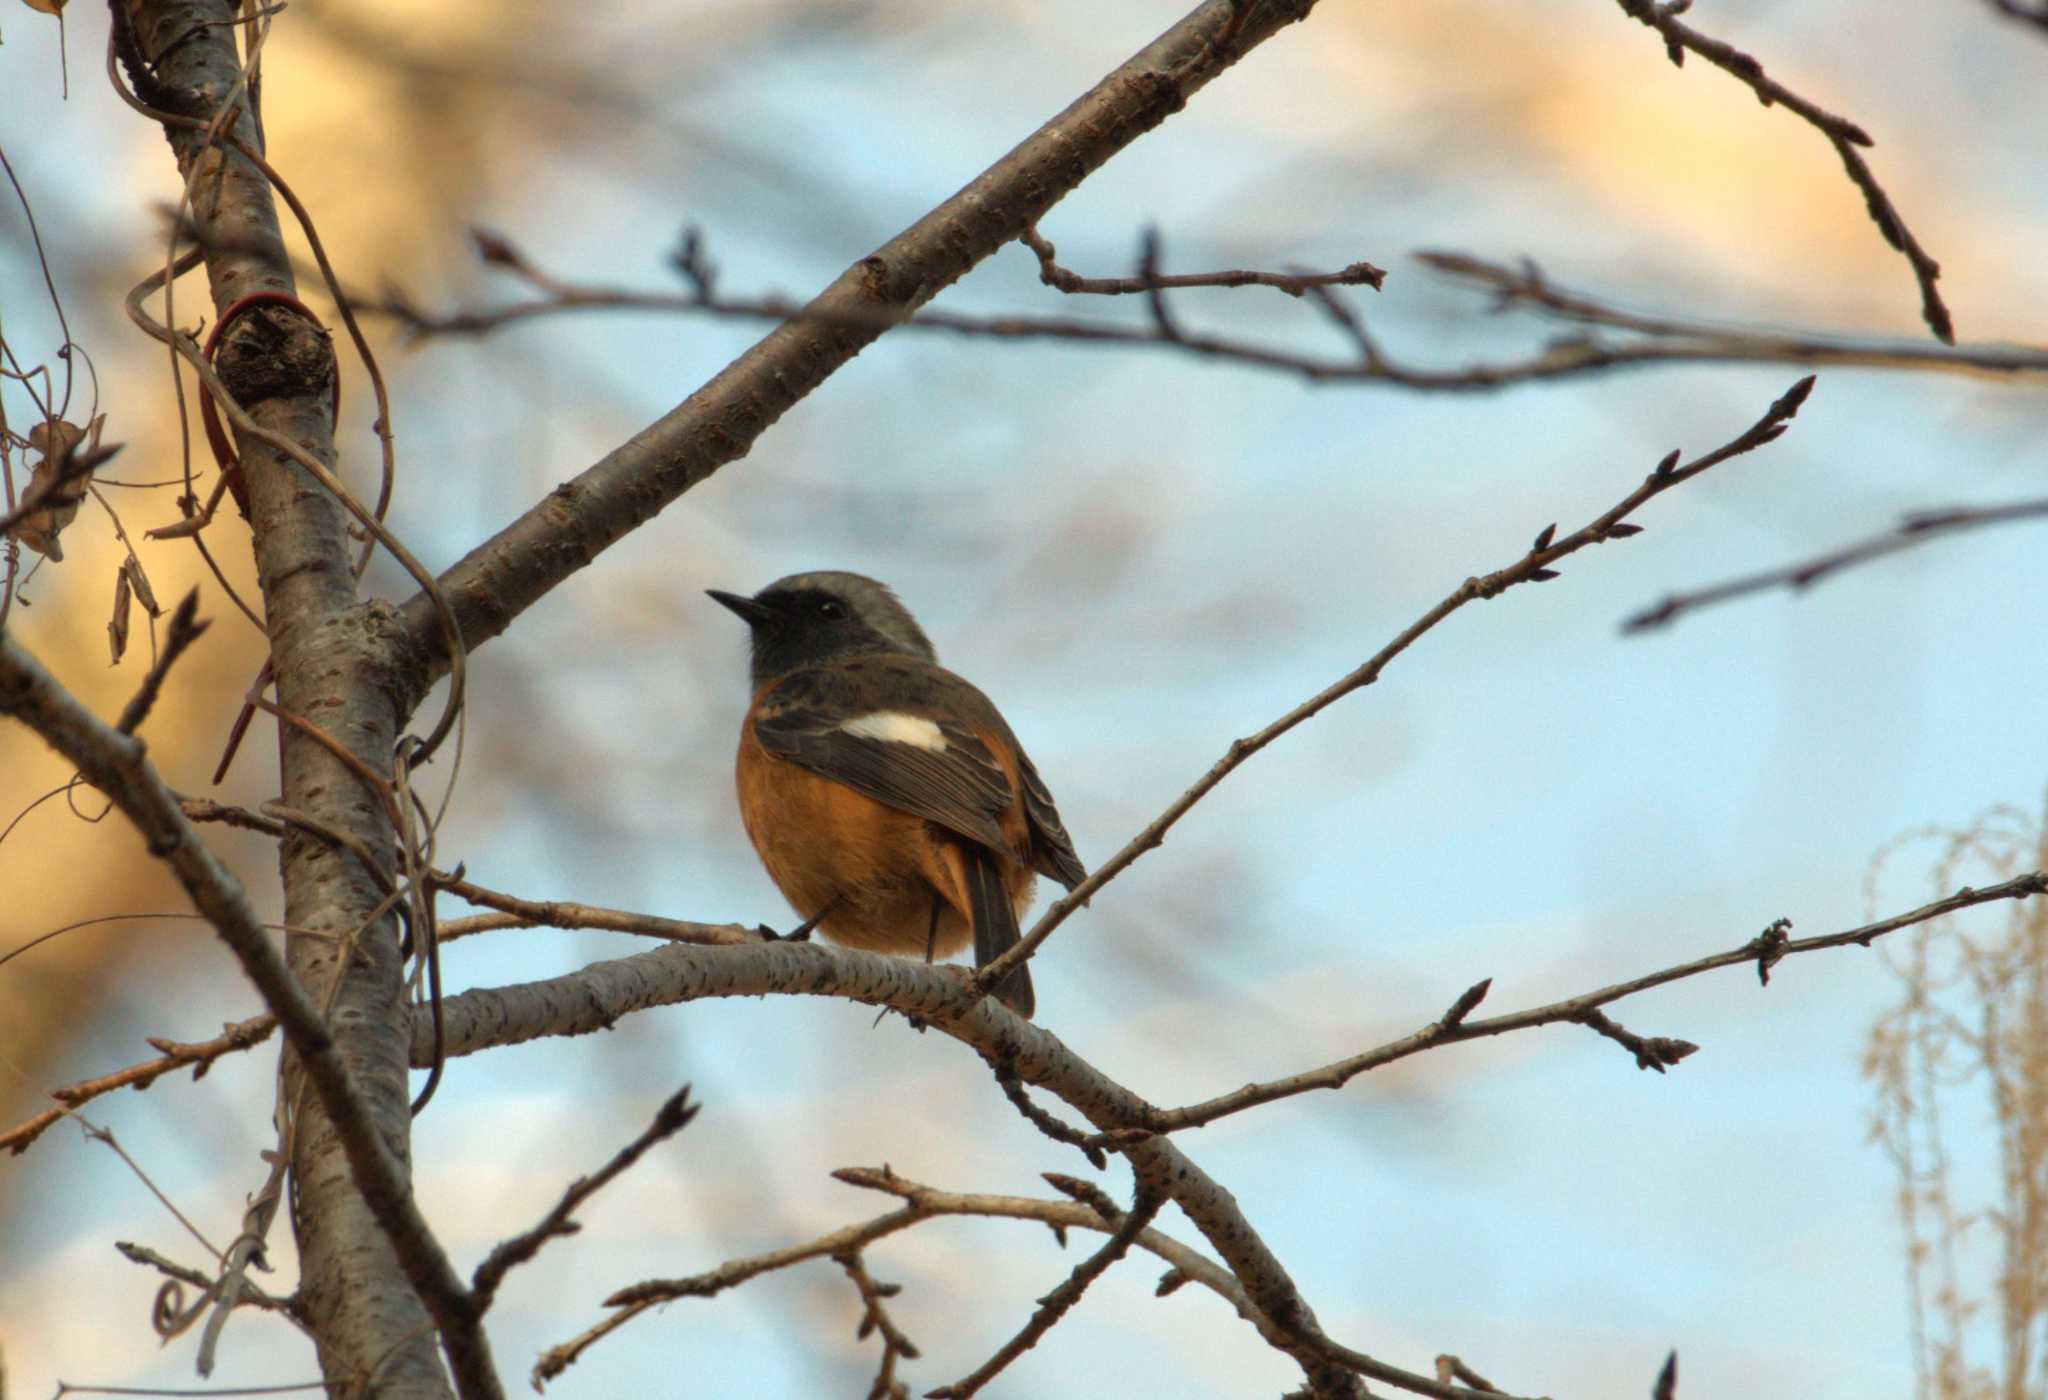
(1848, 139)
(114, 763)
(1533, 567)
(671, 1118)
(1057, 1303)
(172, 1055)
(720, 422)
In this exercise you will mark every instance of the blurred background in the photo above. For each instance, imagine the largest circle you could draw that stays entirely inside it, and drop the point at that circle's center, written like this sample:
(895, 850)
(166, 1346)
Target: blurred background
(1140, 556)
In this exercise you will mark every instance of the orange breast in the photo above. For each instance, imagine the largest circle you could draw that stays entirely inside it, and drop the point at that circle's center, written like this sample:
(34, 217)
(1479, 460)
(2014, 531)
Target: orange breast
(829, 847)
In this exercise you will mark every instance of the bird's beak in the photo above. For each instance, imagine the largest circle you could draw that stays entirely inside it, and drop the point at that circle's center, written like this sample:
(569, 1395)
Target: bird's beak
(750, 612)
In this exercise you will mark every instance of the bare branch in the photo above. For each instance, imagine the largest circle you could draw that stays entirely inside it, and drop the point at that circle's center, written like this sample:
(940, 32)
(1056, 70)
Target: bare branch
(921, 1203)
(943, 998)
(875, 1317)
(114, 763)
(174, 1055)
(1057, 1303)
(671, 1118)
(1676, 340)
(1533, 567)
(633, 1301)
(1449, 1368)
(719, 423)
(1917, 528)
(1654, 1052)
(530, 913)
(1845, 136)
(1358, 274)
(177, 1273)
(1771, 944)
(185, 629)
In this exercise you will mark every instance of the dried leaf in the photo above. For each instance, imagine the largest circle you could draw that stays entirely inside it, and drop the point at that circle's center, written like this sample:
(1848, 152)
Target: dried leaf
(57, 440)
(117, 625)
(47, 7)
(65, 435)
(131, 568)
(39, 528)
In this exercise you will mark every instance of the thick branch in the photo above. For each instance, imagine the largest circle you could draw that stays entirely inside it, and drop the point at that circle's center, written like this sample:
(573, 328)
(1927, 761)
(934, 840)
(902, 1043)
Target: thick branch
(376, 1287)
(596, 997)
(943, 998)
(720, 422)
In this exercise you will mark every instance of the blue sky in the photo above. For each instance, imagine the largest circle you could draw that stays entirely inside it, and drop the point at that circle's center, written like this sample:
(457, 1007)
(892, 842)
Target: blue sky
(1142, 558)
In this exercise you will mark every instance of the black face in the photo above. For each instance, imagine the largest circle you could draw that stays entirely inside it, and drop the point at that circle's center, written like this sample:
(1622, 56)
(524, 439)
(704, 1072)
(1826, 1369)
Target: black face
(800, 626)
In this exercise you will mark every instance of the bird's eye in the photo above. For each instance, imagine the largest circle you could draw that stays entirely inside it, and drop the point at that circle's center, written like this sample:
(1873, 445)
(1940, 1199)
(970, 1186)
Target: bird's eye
(832, 608)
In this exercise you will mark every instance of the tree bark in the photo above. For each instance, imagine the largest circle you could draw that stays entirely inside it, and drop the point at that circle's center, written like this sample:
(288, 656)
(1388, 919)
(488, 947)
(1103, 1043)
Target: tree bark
(334, 662)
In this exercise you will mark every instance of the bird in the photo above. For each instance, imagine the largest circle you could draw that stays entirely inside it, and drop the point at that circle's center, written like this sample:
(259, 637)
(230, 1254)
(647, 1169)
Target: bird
(886, 796)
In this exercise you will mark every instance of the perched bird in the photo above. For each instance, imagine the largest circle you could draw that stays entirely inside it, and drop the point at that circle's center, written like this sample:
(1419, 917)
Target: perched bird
(889, 801)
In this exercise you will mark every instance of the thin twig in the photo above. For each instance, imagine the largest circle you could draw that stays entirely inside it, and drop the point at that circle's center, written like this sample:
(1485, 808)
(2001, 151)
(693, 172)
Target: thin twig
(1770, 943)
(205, 809)
(1668, 339)
(174, 1055)
(551, 913)
(252, 1296)
(921, 1203)
(1848, 139)
(874, 1296)
(1684, 343)
(1533, 567)
(1013, 1089)
(1449, 1368)
(1914, 529)
(1358, 274)
(185, 629)
(674, 1114)
(1057, 1303)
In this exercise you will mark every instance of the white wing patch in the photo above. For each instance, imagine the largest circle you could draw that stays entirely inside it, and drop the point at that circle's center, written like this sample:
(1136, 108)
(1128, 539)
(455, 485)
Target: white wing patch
(896, 727)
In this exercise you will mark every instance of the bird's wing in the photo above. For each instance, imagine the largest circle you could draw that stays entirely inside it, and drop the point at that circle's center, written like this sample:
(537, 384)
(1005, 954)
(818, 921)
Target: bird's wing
(1055, 855)
(914, 751)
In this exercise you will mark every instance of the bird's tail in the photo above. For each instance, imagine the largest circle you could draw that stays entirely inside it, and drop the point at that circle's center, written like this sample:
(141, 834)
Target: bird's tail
(995, 929)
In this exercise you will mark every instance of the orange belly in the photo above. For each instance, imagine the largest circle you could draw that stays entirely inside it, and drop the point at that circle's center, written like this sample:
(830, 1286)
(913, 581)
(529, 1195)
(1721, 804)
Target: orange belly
(879, 871)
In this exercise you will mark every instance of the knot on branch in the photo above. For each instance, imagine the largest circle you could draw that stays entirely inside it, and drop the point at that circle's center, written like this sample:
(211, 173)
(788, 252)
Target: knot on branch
(1769, 947)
